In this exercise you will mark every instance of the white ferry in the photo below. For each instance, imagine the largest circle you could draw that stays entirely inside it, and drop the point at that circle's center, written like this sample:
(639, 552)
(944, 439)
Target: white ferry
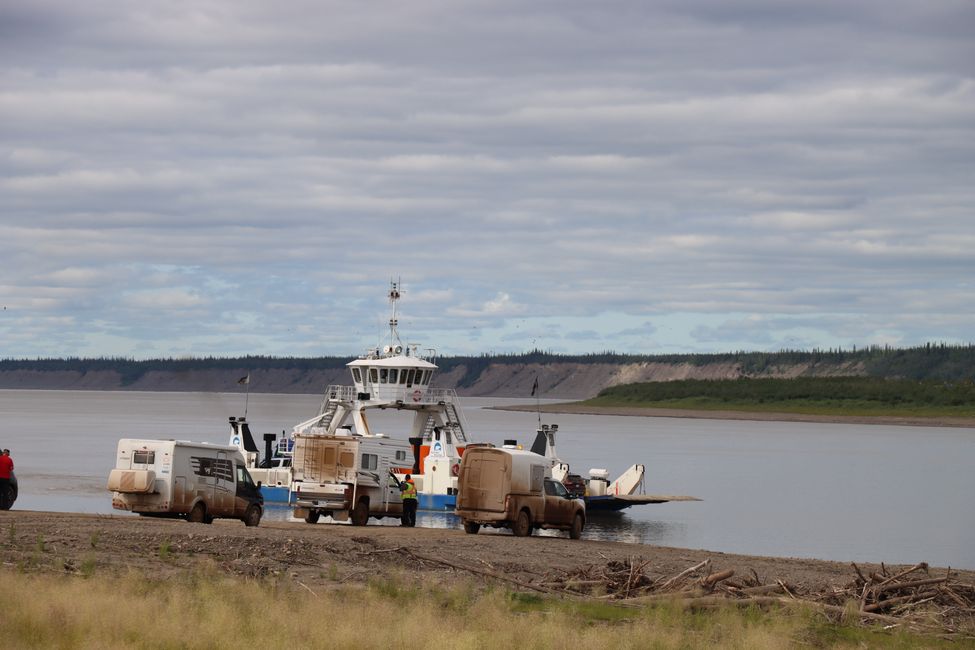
(396, 377)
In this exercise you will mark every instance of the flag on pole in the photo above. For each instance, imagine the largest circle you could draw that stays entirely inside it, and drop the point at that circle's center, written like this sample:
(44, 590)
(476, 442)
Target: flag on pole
(246, 379)
(535, 387)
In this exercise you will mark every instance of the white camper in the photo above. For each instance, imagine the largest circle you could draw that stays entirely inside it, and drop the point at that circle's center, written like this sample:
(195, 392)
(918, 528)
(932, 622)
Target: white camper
(348, 477)
(176, 478)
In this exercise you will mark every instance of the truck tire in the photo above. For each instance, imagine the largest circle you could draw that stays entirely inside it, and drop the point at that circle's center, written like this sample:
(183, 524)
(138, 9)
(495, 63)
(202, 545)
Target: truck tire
(252, 517)
(523, 525)
(360, 514)
(471, 528)
(198, 515)
(312, 517)
(577, 525)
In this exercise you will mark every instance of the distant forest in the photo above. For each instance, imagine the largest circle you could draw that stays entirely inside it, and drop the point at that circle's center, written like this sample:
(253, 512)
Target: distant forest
(931, 361)
(809, 394)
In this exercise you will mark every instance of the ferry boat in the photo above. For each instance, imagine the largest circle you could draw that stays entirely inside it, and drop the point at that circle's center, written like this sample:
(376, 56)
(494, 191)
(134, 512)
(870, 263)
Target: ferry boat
(397, 377)
(394, 377)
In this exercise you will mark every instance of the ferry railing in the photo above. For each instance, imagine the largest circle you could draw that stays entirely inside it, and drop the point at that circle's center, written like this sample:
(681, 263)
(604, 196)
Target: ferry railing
(336, 392)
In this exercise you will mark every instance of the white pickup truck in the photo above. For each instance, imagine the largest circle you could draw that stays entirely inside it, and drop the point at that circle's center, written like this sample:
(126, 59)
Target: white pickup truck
(348, 477)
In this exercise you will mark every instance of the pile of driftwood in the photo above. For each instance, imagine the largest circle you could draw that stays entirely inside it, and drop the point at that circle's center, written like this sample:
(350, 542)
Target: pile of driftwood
(911, 598)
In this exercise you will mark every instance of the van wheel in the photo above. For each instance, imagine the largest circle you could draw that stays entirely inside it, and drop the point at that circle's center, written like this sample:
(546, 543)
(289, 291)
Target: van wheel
(252, 517)
(577, 524)
(523, 525)
(360, 514)
(198, 515)
(312, 517)
(471, 528)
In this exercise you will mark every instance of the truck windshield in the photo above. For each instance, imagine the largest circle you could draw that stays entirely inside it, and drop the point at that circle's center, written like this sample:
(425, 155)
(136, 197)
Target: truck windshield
(243, 476)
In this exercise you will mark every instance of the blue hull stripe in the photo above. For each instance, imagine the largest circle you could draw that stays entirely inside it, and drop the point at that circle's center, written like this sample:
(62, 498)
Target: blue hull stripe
(431, 502)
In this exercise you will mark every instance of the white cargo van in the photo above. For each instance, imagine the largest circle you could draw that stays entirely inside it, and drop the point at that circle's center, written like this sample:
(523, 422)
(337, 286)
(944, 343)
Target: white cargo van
(176, 478)
(514, 488)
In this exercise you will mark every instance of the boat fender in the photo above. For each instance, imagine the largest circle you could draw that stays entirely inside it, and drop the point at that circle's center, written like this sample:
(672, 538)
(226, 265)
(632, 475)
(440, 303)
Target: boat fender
(455, 469)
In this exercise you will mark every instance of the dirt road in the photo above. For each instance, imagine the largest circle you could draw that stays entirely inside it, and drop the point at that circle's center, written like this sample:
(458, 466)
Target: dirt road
(328, 554)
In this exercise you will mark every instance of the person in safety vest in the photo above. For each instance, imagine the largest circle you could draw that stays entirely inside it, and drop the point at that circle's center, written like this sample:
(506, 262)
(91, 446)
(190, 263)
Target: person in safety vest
(408, 492)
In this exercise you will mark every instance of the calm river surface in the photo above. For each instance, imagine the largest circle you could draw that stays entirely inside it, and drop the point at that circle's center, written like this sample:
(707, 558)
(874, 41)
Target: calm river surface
(832, 491)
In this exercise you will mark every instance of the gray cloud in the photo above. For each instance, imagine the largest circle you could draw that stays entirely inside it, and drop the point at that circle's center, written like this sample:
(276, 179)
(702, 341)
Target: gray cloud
(232, 179)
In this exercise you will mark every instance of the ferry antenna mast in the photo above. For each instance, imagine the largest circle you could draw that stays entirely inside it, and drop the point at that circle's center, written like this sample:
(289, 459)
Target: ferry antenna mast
(394, 294)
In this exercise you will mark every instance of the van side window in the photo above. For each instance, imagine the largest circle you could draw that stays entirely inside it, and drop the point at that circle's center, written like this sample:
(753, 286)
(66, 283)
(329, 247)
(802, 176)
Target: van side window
(370, 461)
(143, 457)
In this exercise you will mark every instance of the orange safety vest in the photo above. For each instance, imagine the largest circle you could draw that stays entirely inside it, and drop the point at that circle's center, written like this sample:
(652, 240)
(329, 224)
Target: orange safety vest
(409, 492)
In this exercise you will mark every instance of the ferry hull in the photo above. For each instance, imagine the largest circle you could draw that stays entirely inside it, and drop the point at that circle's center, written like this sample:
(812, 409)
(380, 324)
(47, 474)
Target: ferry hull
(275, 493)
(425, 502)
(437, 502)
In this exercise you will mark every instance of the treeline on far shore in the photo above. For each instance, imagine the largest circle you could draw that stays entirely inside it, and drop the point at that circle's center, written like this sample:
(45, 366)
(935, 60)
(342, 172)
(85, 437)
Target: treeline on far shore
(814, 395)
(930, 361)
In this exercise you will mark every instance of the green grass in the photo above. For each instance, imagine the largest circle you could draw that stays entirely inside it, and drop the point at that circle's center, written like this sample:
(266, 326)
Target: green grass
(207, 609)
(859, 396)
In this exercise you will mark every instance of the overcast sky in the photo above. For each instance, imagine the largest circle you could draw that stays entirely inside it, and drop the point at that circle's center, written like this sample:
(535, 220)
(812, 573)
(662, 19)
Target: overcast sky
(237, 177)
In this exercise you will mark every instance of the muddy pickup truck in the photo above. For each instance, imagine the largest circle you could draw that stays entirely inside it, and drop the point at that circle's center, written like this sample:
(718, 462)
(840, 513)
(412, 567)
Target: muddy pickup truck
(513, 488)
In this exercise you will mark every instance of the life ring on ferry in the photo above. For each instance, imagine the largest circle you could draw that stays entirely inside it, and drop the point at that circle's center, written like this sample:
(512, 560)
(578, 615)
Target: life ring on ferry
(417, 395)
(455, 469)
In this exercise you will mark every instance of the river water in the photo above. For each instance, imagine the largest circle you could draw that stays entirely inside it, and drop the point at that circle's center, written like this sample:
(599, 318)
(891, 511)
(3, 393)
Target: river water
(831, 491)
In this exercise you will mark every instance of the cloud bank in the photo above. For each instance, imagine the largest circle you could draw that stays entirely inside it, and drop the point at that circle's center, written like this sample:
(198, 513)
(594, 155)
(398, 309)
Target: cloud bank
(244, 178)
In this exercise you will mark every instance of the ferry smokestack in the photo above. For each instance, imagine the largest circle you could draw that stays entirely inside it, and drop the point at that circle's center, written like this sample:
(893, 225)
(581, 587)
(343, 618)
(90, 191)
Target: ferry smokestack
(416, 442)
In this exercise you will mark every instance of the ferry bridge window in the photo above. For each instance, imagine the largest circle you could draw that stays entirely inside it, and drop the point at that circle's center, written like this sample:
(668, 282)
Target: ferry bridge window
(370, 461)
(373, 375)
(383, 376)
(392, 376)
(409, 377)
(143, 457)
(402, 376)
(356, 376)
(426, 376)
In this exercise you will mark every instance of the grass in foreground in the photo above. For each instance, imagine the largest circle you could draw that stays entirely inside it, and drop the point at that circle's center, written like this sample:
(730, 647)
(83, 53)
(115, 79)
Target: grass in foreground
(210, 610)
(861, 396)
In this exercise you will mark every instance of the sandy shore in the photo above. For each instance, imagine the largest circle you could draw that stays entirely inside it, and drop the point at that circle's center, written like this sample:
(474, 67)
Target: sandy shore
(323, 553)
(578, 408)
